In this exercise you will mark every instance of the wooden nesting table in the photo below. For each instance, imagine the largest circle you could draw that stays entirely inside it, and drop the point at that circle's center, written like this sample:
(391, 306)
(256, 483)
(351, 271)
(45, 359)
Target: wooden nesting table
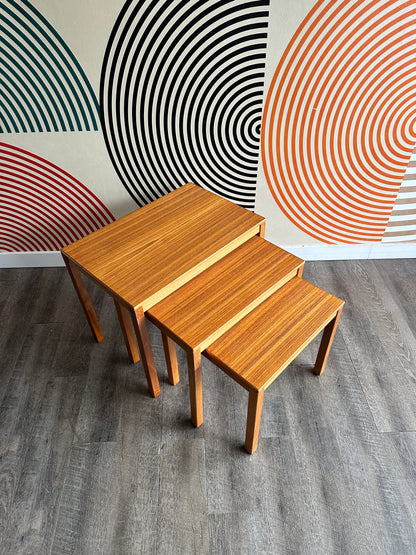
(148, 254)
(259, 347)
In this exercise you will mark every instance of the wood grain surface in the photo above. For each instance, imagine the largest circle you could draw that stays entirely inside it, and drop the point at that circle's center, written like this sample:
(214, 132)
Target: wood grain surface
(211, 303)
(149, 253)
(382, 323)
(183, 514)
(260, 346)
(335, 473)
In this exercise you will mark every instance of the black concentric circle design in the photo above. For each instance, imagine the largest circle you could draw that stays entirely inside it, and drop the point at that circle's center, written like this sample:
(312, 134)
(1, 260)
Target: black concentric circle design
(181, 96)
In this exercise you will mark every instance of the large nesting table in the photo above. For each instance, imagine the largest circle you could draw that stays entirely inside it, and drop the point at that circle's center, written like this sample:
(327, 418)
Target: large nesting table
(148, 254)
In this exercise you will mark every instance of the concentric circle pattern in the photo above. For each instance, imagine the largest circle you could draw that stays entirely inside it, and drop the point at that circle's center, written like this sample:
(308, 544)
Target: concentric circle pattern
(340, 118)
(181, 96)
(42, 207)
(43, 87)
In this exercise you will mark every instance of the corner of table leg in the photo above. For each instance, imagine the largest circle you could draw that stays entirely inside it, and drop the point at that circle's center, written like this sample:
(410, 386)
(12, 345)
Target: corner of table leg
(146, 352)
(171, 358)
(84, 298)
(255, 405)
(326, 343)
(127, 328)
(195, 386)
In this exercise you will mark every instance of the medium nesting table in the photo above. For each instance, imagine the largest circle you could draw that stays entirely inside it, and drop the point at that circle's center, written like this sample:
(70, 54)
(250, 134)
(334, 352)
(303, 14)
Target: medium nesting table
(148, 254)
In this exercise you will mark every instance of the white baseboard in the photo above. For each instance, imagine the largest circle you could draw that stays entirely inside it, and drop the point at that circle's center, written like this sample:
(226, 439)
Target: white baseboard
(317, 252)
(355, 252)
(31, 259)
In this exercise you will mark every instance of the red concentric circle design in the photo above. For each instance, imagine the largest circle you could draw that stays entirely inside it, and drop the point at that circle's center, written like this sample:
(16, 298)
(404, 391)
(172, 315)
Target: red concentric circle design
(42, 207)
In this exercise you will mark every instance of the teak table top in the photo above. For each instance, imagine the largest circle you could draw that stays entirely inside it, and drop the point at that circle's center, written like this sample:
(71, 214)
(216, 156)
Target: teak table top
(146, 255)
(212, 302)
(278, 329)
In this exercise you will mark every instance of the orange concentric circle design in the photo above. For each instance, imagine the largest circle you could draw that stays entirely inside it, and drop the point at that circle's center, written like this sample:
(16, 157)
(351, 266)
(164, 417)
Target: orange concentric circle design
(340, 118)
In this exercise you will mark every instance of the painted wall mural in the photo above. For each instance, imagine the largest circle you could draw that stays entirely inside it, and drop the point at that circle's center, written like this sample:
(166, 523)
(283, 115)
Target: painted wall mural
(340, 119)
(42, 207)
(304, 111)
(402, 222)
(44, 87)
(182, 94)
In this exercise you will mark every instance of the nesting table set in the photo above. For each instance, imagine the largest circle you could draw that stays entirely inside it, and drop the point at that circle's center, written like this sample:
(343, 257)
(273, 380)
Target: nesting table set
(199, 268)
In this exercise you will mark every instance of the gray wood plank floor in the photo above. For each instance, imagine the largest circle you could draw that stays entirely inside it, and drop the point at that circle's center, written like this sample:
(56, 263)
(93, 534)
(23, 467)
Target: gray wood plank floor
(90, 463)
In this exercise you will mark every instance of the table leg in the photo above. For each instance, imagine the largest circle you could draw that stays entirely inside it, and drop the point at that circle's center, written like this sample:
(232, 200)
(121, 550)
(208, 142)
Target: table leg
(326, 342)
(146, 353)
(171, 359)
(128, 331)
(195, 386)
(255, 405)
(262, 230)
(84, 299)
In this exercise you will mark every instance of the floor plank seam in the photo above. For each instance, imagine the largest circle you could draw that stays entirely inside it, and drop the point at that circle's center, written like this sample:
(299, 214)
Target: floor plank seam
(398, 432)
(358, 379)
(60, 497)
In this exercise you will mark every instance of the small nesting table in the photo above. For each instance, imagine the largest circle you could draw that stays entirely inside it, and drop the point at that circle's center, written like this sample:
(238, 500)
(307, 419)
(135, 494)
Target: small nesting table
(258, 348)
(146, 255)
